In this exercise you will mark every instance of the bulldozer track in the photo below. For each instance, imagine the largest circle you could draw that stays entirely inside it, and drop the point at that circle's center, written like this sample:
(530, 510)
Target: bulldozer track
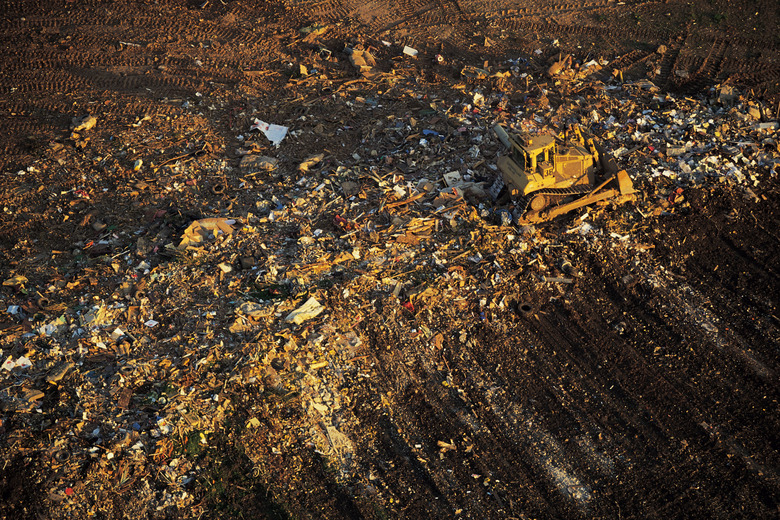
(627, 61)
(523, 9)
(702, 71)
(712, 60)
(667, 66)
(521, 203)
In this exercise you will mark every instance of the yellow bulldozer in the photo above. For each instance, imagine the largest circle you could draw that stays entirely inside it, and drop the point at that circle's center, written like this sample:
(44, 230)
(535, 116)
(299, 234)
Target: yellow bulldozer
(548, 176)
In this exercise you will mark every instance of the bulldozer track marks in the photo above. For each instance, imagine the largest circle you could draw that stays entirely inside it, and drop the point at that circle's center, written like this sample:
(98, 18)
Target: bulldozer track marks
(92, 55)
(700, 70)
(699, 62)
(706, 61)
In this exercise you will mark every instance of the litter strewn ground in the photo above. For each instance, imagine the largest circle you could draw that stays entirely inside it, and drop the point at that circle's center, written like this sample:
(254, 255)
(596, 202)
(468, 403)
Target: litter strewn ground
(283, 288)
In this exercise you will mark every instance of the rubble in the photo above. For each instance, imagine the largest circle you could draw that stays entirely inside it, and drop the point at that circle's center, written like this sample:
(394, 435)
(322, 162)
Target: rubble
(86, 123)
(201, 230)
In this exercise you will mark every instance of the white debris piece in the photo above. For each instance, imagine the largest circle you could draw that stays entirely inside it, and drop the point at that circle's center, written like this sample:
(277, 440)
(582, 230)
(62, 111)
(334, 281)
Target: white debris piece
(310, 309)
(9, 364)
(274, 133)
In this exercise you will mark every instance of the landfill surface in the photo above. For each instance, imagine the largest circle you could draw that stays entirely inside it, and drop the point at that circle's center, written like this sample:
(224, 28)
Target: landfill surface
(252, 266)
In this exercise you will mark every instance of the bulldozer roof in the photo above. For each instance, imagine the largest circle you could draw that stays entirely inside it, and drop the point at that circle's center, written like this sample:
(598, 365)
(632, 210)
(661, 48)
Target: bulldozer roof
(534, 143)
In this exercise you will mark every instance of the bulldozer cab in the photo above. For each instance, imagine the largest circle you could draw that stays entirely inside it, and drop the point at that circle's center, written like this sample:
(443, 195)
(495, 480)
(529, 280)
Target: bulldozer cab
(538, 162)
(537, 153)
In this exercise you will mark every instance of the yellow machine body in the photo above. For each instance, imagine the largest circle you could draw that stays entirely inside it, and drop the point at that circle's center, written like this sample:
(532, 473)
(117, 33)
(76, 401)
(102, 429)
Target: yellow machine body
(556, 175)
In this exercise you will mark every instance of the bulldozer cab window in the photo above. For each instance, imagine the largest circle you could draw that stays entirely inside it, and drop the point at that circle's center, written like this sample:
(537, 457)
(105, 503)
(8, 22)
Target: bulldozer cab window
(519, 156)
(533, 160)
(530, 161)
(549, 153)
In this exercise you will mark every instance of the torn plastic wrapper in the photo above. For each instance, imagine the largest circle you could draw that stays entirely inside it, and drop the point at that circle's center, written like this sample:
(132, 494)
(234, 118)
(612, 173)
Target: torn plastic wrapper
(9, 364)
(21, 362)
(97, 317)
(52, 327)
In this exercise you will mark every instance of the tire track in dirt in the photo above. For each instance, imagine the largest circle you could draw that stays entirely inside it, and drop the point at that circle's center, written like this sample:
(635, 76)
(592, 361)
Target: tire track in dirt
(495, 421)
(712, 398)
(701, 61)
(374, 16)
(576, 406)
(432, 412)
(523, 26)
(508, 436)
(608, 388)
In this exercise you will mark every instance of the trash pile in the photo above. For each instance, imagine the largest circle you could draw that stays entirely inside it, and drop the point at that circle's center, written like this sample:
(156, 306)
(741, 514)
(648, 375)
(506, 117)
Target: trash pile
(254, 270)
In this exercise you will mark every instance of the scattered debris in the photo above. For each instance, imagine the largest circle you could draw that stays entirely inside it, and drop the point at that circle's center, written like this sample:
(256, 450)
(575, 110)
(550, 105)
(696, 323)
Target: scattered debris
(85, 124)
(254, 163)
(409, 51)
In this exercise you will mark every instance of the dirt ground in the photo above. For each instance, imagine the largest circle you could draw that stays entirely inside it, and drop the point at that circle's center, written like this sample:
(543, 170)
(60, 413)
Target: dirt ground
(620, 362)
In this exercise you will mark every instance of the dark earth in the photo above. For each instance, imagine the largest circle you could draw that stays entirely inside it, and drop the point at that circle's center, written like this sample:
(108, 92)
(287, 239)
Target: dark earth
(647, 389)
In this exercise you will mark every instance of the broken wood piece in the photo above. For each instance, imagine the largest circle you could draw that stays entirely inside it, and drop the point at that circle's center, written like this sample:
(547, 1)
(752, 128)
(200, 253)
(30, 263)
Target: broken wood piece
(406, 201)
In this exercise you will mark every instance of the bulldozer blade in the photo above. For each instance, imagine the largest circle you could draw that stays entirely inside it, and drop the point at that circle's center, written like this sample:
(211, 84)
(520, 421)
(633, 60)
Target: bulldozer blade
(579, 203)
(624, 183)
